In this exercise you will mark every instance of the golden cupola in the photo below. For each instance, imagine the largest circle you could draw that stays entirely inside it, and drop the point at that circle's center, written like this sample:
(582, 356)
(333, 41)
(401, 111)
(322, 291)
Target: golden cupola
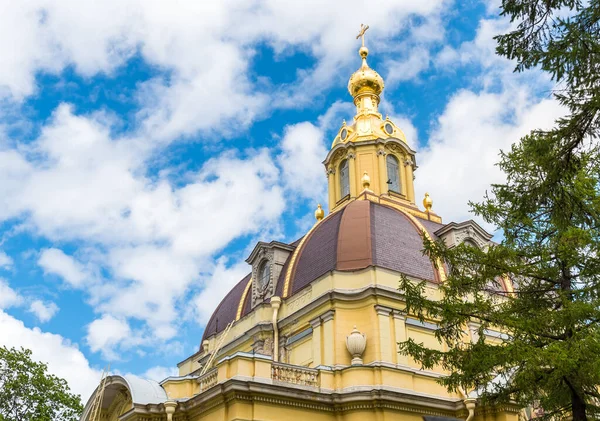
(365, 86)
(370, 148)
(365, 81)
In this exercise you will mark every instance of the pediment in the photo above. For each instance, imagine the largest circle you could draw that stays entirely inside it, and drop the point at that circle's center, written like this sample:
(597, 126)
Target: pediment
(468, 231)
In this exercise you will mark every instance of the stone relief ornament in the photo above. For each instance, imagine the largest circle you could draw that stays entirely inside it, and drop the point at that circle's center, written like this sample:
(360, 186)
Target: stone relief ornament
(356, 343)
(261, 288)
(469, 234)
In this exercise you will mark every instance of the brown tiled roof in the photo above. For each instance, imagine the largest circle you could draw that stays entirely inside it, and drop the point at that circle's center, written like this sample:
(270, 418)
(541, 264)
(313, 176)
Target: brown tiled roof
(360, 235)
(397, 244)
(354, 238)
(319, 258)
(227, 309)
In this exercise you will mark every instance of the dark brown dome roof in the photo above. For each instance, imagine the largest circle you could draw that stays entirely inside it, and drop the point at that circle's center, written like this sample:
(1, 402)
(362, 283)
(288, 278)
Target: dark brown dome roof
(360, 235)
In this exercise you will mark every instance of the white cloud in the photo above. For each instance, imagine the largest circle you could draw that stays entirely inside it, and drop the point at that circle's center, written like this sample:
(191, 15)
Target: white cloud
(159, 373)
(55, 261)
(8, 296)
(221, 280)
(5, 260)
(458, 163)
(417, 60)
(64, 359)
(144, 241)
(107, 332)
(204, 47)
(44, 311)
(303, 150)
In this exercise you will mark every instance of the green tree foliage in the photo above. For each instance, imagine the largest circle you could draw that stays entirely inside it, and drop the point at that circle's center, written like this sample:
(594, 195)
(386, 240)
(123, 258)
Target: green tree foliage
(29, 393)
(549, 212)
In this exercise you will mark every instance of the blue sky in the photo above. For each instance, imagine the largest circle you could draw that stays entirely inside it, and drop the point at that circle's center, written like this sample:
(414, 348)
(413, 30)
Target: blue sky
(146, 146)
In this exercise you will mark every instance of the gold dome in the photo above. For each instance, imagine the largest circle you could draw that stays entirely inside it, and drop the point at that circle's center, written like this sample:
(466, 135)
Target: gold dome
(365, 79)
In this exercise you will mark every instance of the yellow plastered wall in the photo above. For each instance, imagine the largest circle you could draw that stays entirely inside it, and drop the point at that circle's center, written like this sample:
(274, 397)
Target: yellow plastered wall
(301, 352)
(177, 389)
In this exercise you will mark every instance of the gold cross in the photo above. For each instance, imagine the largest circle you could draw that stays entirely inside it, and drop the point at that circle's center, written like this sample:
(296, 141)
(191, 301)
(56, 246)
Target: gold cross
(361, 34)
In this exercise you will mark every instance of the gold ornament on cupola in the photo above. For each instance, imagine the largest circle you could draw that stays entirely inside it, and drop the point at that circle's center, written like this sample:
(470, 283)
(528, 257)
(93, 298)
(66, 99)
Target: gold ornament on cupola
(369, 144)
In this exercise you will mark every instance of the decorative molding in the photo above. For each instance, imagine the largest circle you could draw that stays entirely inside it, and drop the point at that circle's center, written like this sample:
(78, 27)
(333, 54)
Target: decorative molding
(382, 310)
(456, 233)
(399, 315)
(327, 316)
(423, 325)
(317, 399)
(315, 323)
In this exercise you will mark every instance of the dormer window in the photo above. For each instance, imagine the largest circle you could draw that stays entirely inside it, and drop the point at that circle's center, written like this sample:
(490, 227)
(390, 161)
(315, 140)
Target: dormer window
(344, 179)
(267, 260)
(393, 172)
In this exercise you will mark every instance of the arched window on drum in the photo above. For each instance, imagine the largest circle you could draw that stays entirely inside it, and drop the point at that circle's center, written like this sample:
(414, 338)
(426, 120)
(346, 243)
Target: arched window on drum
(393, 171)
(344, 178)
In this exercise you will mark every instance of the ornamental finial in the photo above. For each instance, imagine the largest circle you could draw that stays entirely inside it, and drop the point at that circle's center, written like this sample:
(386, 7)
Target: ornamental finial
(319, 213)
(427, 202)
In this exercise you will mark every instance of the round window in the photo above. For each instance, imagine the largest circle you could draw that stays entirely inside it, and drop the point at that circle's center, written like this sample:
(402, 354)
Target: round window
(344, 134)
(388, 128)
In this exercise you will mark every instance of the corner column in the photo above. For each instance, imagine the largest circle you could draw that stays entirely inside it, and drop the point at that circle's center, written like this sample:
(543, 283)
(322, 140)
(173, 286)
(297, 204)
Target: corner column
(410, 185)
(400, 333)
(328, 338)
(352, 174)
(331, 188)
(383, 177)
(316, 340)
(385, 340)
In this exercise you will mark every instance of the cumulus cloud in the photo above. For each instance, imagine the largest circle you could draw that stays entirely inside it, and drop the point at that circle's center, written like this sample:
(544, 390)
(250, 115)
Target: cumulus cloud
(5, 260)
(44, 311)
(303, 150)
(8, 296)
(416, 60)
(159, 373)
(105, 333)
(458, 163)
(55, 261)
(204, 45)
(64, 359)
(146, 239)
(222, 279)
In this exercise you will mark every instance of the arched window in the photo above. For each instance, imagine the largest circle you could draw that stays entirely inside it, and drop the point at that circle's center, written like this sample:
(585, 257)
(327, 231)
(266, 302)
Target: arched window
(344, 178)
(393, 171)
(471, 243)
(264, 275)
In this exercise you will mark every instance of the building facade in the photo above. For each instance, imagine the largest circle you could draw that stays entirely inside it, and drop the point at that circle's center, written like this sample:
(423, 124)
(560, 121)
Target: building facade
(311, 332)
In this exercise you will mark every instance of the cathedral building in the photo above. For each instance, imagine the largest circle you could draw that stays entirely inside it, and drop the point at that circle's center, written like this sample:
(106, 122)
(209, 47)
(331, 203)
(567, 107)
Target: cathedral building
(311, 332)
